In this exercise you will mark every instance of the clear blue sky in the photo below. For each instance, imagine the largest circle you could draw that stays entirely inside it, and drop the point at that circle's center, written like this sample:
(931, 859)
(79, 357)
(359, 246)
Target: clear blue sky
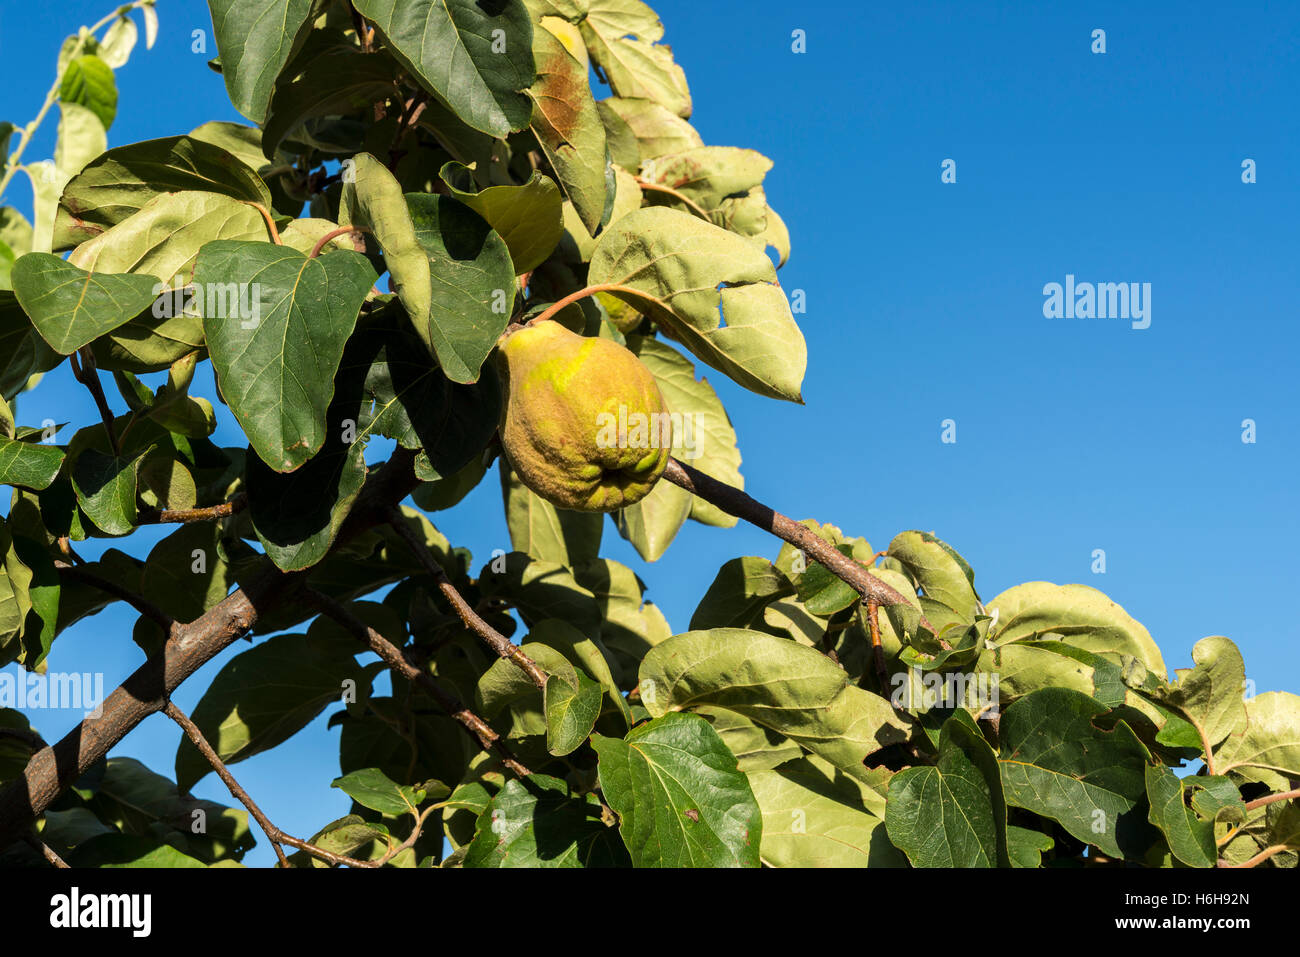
(925, 303)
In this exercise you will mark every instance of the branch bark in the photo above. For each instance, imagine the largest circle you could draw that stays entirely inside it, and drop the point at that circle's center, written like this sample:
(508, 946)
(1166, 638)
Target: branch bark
(147, 690)
(735, 502)
(393, 657)
(498, 642)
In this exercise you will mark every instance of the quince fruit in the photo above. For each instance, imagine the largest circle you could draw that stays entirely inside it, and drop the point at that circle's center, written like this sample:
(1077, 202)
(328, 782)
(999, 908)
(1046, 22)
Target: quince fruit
(584, 425)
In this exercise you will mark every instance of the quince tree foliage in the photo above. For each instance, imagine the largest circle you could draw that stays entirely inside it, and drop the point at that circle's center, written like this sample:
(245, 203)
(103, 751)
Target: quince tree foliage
(564, 256)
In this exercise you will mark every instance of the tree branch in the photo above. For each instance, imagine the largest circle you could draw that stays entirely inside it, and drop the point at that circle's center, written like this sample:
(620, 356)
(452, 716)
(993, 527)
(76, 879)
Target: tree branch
(498, 642)
(194, 734)
(147, 690)
(88, 376)
(395, 659)
(735, 502)
(188, 516)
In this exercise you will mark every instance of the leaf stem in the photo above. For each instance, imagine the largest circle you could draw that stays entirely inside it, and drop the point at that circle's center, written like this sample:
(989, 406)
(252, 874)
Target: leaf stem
(334, 233)
(682, 197)
(550, 311)
(270, 223)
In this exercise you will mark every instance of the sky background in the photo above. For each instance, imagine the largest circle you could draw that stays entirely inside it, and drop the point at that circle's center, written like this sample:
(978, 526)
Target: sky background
(924, 303)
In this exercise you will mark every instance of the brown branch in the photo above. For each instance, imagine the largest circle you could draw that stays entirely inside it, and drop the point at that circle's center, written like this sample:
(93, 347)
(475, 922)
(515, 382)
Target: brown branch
(89, 377)
(498, 642)
(877, 649)
(735, 502)
(275, 835)
(394, 658)
(138, 602)
(51, 770)
(188, 516)
(194, 734)
(46, 851)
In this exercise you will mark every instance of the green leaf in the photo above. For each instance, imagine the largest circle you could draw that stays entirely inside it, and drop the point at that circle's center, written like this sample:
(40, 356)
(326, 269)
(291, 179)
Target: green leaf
(298, 515)
(276, 361)
(185, 573)
(28, 465)
(263, 697)
(346, 837)
(391, 387)
(652, 523)
(938, 570)
(1212, 695)
(629, 626)
(539, 590)
(814, 816)
(121, 181)
(23, 352)
(473, 282)
(1026, 847)
(164, 236)
(691, 277)
(543, 531)
(255, 39)
(71, 307)
(651, 130)
(1057, 762)
(704, 437)
(119, 41)
(569, 129)
(88, 81)
(1190, 839)
(81, 138)
(621, 36)
(774, 682)
(474, 57)
(453, 274)
(374, 789)
(145, 804)
(527, 217)
(588, 654)
(338, 82)
(1269, 745)
(742, 589)
(681, 801)
(952, 814)
(571, 708)
(106, 490)
(537, 822)
(1082, 616)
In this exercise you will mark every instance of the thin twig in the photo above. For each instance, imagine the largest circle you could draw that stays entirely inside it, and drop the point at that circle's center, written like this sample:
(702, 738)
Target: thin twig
(394, 658)
(877, 649)
(46, 851)
(735, 502)
(189, 516)
(138, 602)
(195, 735)
(88, 376)
(498, 642)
